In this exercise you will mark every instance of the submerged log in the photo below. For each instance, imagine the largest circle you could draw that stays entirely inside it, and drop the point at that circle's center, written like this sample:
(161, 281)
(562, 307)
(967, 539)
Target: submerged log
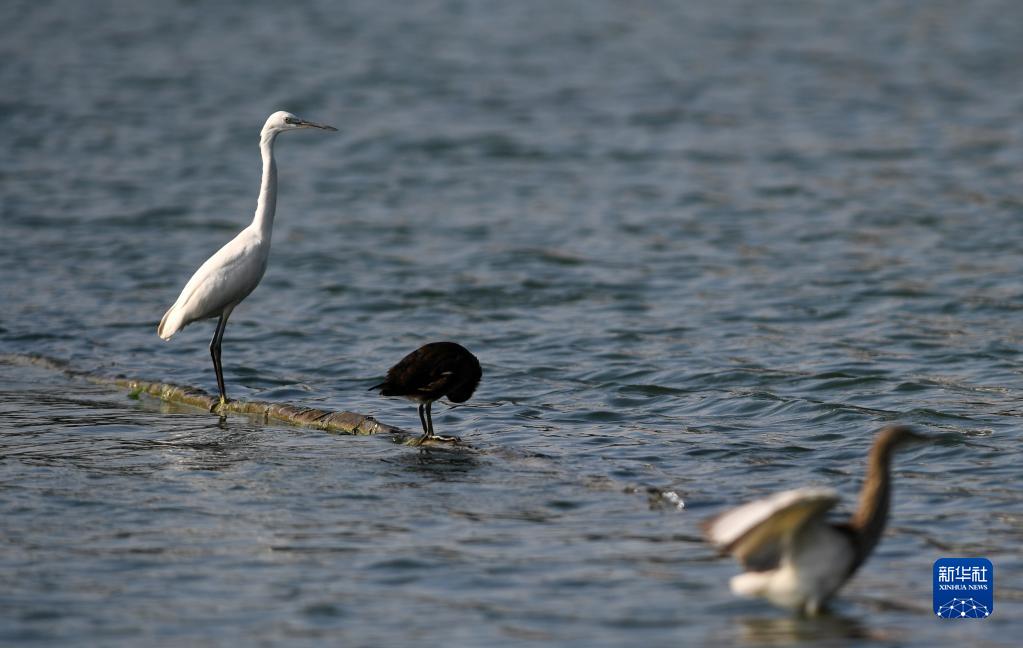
(343, 422)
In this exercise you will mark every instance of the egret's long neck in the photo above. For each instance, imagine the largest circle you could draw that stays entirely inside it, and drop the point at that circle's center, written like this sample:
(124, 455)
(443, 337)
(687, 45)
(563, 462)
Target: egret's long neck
(266, 206)
(875, 497)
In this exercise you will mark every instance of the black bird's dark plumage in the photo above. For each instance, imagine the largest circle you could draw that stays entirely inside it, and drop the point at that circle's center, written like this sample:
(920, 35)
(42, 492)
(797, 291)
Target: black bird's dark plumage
(431, 372)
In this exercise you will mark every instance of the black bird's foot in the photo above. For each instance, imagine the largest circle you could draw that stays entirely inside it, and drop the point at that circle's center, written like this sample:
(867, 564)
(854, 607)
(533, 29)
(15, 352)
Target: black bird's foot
(437, 439)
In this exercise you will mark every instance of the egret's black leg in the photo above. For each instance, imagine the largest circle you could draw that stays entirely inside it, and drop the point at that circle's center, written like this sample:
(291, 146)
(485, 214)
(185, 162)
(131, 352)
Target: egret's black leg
(218, 337)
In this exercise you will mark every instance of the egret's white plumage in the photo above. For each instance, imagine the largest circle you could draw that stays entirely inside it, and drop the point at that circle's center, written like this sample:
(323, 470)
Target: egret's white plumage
(227, 277)
(220, 283)
(793, 556)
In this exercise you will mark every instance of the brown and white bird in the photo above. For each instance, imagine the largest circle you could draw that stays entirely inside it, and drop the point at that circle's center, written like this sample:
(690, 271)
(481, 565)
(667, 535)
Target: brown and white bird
(431, 372)
(793, 556)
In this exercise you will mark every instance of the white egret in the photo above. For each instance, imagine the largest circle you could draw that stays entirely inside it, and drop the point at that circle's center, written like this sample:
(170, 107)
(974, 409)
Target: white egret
(793, 556)
(429, 373)
(227, 277)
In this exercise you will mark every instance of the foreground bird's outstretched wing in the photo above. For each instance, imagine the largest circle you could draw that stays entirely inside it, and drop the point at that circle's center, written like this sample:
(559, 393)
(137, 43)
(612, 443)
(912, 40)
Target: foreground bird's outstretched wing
(756, 533)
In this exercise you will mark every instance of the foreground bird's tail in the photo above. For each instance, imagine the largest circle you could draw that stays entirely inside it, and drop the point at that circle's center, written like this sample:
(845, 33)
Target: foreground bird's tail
(750, 583)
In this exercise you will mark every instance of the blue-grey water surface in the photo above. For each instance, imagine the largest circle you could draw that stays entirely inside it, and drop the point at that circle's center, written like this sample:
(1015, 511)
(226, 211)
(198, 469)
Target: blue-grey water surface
(701, 248)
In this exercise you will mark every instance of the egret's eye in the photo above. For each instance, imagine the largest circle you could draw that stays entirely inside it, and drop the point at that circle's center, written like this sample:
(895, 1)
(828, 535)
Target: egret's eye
(290, 120)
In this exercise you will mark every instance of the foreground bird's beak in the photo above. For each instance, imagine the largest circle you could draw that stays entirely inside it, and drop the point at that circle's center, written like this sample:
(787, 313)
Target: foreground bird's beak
(919, 439)
(308, 124)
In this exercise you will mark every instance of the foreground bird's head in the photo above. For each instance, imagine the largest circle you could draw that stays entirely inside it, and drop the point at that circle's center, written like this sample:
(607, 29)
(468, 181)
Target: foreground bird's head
(282, 121)
(896, 437)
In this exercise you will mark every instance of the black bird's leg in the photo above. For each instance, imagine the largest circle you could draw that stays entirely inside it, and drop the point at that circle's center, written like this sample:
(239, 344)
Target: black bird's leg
(422, 419)
(429, 417)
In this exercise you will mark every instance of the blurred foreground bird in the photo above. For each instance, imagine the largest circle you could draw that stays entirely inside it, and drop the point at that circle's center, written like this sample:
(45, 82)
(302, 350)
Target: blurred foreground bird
(431, 372)
(227, 277)
(793, 556)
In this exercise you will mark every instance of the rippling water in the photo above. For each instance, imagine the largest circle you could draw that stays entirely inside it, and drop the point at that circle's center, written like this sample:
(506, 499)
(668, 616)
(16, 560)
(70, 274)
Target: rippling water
(701, 248)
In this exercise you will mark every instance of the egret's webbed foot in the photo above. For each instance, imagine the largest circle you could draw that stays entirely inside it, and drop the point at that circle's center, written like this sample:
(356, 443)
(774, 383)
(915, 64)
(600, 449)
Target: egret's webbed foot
(219, 405)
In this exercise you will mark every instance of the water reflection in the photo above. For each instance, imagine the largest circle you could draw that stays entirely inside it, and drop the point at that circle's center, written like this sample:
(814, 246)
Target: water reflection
(442, 462)
(782, 630)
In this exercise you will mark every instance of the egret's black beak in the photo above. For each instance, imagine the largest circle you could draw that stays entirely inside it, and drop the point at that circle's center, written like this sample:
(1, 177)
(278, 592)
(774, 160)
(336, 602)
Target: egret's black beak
(308, 124)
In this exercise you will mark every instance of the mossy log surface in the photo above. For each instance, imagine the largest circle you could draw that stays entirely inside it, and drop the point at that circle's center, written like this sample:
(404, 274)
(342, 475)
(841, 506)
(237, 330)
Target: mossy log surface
(343, 422)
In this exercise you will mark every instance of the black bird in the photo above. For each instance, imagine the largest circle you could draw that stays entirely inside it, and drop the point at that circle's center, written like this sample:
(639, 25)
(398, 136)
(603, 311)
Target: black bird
(431, 372)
